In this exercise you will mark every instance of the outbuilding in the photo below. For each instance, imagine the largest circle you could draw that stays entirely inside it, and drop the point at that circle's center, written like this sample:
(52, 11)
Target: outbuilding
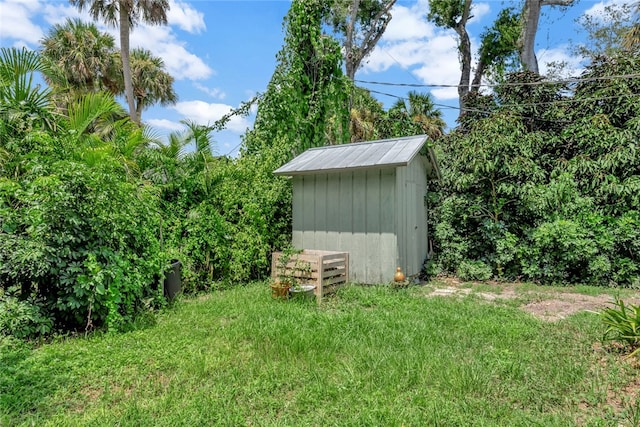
(367, 199)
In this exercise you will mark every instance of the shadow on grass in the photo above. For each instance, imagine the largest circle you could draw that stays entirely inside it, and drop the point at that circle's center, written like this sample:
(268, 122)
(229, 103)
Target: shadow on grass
(25, 384)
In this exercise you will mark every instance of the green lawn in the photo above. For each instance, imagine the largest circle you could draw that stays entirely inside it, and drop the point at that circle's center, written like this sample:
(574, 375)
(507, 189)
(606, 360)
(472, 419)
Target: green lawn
(369, 356)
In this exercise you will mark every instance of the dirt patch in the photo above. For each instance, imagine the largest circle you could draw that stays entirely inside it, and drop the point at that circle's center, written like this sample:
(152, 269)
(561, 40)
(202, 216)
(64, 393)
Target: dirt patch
(544, 304)
(564, 304)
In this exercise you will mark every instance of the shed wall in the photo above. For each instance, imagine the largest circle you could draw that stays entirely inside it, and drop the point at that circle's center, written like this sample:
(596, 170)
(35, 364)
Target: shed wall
(352, 211)
(412, 234)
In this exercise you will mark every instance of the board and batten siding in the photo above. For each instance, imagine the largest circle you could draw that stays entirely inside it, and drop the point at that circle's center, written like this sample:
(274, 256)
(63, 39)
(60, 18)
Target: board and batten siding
(353, 211)
(412, 232)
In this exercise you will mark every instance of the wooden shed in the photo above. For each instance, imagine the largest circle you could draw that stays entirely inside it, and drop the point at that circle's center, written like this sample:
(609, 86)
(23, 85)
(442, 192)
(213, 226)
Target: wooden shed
(367, 199)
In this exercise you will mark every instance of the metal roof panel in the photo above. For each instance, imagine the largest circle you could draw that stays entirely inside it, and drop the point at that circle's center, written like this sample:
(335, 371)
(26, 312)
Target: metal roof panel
(381, 153)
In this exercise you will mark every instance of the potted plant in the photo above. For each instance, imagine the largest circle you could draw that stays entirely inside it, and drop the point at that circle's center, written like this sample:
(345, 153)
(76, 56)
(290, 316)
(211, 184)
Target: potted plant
(284, 278)
(289, 277)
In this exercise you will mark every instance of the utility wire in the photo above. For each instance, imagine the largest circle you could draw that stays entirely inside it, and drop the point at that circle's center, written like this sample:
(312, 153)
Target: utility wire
(532, 104)
(539, 83)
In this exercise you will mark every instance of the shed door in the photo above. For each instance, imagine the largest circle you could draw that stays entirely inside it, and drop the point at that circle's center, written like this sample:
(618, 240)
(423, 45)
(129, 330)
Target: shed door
(413, 238)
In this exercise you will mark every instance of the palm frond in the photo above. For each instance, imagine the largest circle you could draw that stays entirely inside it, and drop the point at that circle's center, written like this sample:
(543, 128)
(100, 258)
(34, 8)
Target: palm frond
(86, 111)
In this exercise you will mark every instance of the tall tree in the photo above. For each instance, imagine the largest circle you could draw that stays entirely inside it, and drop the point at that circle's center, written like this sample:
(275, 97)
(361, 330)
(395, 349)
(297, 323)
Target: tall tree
(360, 24)
(307, 95)
(498, 48)
(530, 19)
(83, 54)
(151, 83)
(126, 14)
(455, 14)
(605, 31)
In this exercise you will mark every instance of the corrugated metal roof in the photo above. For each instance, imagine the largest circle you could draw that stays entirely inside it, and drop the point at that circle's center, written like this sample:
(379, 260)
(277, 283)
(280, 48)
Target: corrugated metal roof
(371, 154)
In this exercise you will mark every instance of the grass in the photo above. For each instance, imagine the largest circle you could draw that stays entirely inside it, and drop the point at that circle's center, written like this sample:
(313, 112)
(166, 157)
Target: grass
(368, 356)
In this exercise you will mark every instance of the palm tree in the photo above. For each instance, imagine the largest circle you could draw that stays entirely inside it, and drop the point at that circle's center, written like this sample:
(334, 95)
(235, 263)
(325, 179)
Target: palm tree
(26, 113)
(631, 40)
(422, 112)
(176, 159)
(365, 116)
(151, 84)
(163, 160)
(103, 136)
(83, 54)
(126, 14)
(24, 104)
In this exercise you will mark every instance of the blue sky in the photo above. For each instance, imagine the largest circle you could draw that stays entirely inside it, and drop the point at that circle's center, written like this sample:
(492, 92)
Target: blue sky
(222, 52)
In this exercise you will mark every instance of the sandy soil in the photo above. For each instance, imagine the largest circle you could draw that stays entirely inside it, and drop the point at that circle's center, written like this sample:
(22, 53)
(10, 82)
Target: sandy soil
(546, 304)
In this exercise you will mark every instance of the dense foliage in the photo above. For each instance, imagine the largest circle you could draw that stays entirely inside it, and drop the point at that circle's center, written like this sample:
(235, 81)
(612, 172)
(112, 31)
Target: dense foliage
(93, 210)
(79, 242)
(541, 181)
(226, 216)
(305, 104)
(544, 184)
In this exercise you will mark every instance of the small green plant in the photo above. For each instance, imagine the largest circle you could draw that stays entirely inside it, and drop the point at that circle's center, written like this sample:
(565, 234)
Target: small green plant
(474, 270)
(623, 324)
(283, 274)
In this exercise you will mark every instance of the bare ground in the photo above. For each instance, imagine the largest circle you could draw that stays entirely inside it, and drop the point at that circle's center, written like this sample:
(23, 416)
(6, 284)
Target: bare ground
(544, 303)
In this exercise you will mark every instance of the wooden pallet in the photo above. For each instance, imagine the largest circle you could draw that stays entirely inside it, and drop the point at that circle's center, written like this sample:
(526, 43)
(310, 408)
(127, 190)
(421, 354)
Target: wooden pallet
(327, 270)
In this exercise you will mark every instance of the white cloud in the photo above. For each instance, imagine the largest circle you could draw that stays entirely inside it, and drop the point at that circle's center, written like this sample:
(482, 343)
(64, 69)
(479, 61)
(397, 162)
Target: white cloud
(432, 61)
(597, 11)
(441, 67)
(206, 113)
(187, 18)
(404, 54)
(407, 23)
(180, 63)
(165, 124)
(418, 46)
(58, 12)
(430, 53)
(16, 22)
(479, 11)
(560, 55)
(214, 92)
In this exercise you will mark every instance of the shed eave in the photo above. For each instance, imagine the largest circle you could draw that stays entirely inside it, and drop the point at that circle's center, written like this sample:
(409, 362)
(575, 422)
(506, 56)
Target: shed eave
(286, 172)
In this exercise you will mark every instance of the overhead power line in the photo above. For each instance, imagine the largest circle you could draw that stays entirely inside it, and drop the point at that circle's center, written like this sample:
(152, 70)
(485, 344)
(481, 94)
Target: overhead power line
(530, 104)
(521, 105)
(539, 83)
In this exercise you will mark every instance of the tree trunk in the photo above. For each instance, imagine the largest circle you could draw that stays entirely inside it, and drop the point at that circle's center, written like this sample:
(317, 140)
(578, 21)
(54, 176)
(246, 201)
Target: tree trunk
(477, 77)
(126, 63)
(139, 106)
(351, 61)
(355, 54)
(526, 42)
(464, 47)
(527, 39)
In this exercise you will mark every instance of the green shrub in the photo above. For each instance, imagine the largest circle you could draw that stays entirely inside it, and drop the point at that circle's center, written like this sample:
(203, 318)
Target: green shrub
(228, 237)
(22, 319)
(549, 194)
(474, 270)
(84, 242)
